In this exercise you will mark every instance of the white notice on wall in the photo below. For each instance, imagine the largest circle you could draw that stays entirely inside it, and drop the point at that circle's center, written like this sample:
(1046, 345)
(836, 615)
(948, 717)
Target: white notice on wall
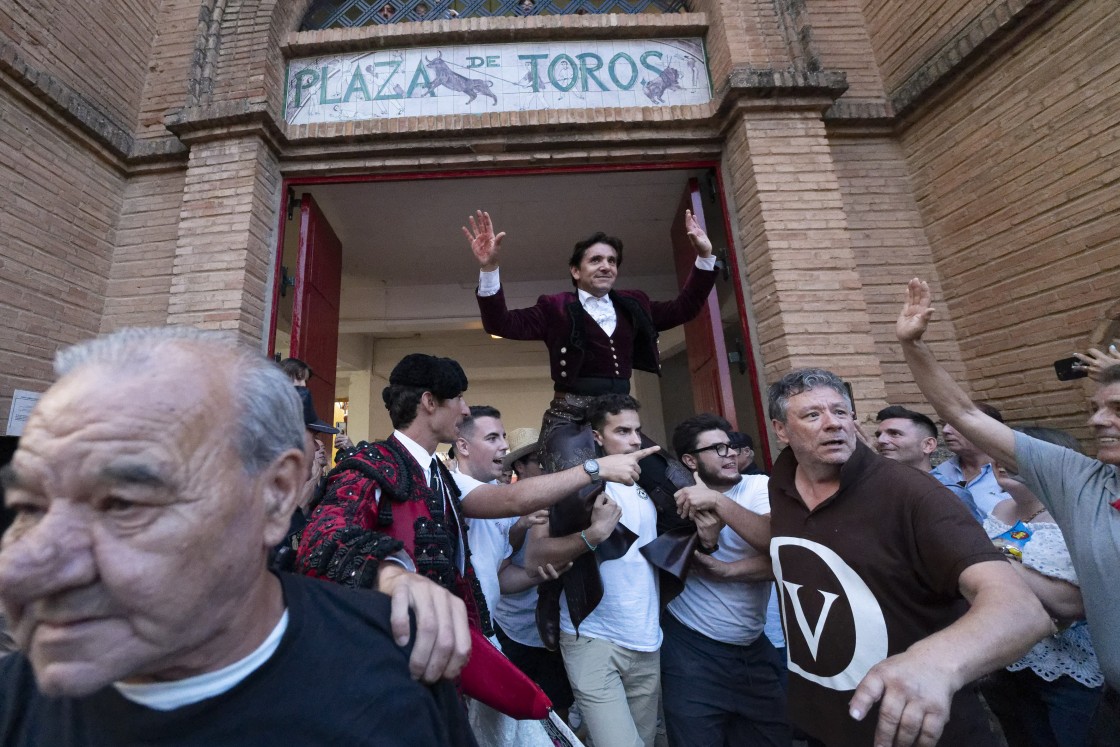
(23, 402)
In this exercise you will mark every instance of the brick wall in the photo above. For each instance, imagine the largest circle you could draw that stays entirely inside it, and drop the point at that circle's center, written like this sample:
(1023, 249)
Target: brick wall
(890, 247)
(147, 232)
(906, 34)
(174, 55)
(224, 248)
(796, 252)
(56, 236)
(99, 48)
(1015, 173)
(842, 42)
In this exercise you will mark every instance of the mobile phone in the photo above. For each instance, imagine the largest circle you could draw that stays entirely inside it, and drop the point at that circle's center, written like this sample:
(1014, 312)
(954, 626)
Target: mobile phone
(1065, 370)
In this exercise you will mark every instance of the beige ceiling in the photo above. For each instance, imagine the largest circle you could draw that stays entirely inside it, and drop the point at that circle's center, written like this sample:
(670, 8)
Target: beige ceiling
(409, 232)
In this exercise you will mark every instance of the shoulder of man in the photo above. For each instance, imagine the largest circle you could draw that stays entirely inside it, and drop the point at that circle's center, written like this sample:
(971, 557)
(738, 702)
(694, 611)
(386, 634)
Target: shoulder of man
(365, 607)
(384, 462)
(640, 296)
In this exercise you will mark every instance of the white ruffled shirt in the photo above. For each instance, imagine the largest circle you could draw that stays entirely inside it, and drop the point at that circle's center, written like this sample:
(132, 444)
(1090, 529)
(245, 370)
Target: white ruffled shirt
(1069, 651)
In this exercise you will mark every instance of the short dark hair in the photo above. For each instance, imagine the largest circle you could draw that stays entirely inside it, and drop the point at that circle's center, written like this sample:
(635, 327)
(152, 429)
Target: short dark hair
(990, 410)
(687, 431)
(740, 440)
(1054, 436)
(598, 237)
(1110, 375)
(609, 404)
(898, 411)
(802, 380)
(295, 369)
(401, 402)
(466, 428)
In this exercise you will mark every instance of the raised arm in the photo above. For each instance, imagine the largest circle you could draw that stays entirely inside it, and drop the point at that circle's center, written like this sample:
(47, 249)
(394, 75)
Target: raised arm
(915, 688)
(534, 493)
(946, 396)
(697, 236)
(485, 245)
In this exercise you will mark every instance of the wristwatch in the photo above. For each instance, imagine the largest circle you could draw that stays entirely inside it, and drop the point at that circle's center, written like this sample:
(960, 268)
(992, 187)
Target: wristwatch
(591, 467)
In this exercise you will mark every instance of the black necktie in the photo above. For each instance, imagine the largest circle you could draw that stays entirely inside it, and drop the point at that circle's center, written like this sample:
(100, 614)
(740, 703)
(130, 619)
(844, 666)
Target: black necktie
(434, 483)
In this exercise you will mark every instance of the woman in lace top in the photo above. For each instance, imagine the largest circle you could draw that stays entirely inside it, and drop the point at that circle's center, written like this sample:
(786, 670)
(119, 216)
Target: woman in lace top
(1047, 698)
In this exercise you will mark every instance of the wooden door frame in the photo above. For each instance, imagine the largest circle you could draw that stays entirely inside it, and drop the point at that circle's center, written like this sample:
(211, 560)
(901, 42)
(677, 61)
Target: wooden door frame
(733, 262)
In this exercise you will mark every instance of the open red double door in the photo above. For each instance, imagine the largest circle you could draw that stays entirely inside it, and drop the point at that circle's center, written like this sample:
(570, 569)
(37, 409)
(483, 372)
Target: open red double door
(315, 315)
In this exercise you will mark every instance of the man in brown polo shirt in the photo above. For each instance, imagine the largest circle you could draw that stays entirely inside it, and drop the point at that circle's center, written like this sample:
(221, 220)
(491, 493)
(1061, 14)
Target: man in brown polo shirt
(872, 559)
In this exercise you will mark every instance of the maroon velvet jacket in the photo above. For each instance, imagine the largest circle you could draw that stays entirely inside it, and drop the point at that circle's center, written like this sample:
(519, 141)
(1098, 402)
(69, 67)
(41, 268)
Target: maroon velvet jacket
(578, 347)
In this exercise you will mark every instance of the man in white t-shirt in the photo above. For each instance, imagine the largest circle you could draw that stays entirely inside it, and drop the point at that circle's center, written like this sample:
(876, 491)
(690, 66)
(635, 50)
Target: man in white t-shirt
(478, 452)
(481, 449)
(613, 663)
(720, 674)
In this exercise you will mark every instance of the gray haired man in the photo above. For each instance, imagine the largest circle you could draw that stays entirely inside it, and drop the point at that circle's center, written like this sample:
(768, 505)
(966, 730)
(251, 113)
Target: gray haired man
(872, 559)
(149, 485)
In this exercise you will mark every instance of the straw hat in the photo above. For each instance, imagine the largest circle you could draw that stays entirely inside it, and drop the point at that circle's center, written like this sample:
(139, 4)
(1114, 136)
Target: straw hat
(522, 442)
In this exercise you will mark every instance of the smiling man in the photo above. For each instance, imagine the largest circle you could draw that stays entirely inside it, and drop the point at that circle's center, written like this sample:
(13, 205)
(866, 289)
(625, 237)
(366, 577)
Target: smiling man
(597, 335)
(149, 485)
(872, 563)
(1081, 493)
(910, 437)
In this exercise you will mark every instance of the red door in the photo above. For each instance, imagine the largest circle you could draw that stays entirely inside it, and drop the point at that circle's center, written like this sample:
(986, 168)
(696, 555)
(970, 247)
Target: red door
(317, 292)
(707, 351)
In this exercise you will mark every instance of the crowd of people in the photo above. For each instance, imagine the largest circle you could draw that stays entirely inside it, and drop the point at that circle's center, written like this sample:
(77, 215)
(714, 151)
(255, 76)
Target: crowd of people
(185, 567)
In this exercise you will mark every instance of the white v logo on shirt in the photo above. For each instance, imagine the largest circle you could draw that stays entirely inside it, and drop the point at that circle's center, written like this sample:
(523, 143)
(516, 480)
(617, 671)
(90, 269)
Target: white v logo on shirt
(812, 637)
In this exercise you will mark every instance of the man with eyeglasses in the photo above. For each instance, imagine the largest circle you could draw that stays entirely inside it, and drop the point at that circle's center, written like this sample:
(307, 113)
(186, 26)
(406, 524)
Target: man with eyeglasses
(720, 676)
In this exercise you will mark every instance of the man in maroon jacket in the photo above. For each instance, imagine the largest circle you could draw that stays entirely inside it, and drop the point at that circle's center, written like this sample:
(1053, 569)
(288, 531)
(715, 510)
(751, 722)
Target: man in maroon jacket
(596, 335)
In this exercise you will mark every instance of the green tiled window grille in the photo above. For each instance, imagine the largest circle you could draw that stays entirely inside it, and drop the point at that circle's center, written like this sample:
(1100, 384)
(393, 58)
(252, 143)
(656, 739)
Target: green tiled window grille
(334, 14)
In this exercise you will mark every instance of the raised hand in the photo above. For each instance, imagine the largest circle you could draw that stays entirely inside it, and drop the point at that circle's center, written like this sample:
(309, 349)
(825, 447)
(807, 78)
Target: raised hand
(484, 243)
(1095, 361)
(915, 314)
(696, 235)
(624, 468)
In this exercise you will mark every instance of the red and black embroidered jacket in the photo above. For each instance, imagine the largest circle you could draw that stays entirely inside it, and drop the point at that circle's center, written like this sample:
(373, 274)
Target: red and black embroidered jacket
(350, 531)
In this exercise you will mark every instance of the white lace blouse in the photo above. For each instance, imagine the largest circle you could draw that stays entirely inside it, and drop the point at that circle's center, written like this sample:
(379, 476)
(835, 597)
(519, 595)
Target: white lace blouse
(1069, 651)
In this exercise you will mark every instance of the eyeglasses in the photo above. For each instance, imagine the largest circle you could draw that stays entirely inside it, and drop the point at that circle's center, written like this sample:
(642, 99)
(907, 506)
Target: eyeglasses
(721, 450)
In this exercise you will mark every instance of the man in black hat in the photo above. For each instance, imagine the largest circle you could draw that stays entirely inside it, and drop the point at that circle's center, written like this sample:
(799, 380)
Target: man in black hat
(394, 501)
(316, 450)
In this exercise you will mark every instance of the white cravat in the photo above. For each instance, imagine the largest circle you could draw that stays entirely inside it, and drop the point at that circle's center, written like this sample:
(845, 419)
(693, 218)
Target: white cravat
(601, 310)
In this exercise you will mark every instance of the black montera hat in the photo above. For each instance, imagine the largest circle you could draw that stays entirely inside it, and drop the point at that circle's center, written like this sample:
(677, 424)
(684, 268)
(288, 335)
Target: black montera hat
(443, 377)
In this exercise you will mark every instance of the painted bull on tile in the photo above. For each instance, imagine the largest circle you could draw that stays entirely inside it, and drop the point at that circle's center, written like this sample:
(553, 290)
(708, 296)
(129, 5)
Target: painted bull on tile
(448, 78)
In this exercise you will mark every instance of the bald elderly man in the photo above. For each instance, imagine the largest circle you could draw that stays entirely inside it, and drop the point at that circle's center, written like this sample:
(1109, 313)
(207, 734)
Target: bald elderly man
(150, 482)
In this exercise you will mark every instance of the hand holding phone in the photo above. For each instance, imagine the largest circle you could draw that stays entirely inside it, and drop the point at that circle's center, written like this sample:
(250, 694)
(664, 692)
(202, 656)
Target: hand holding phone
(1071, 368)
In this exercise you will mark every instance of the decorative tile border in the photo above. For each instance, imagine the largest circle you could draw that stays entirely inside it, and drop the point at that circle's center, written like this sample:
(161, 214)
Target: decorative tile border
(483, 78)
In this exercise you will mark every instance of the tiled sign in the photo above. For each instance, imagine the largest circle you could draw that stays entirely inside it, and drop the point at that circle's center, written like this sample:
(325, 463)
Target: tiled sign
(496, 78)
